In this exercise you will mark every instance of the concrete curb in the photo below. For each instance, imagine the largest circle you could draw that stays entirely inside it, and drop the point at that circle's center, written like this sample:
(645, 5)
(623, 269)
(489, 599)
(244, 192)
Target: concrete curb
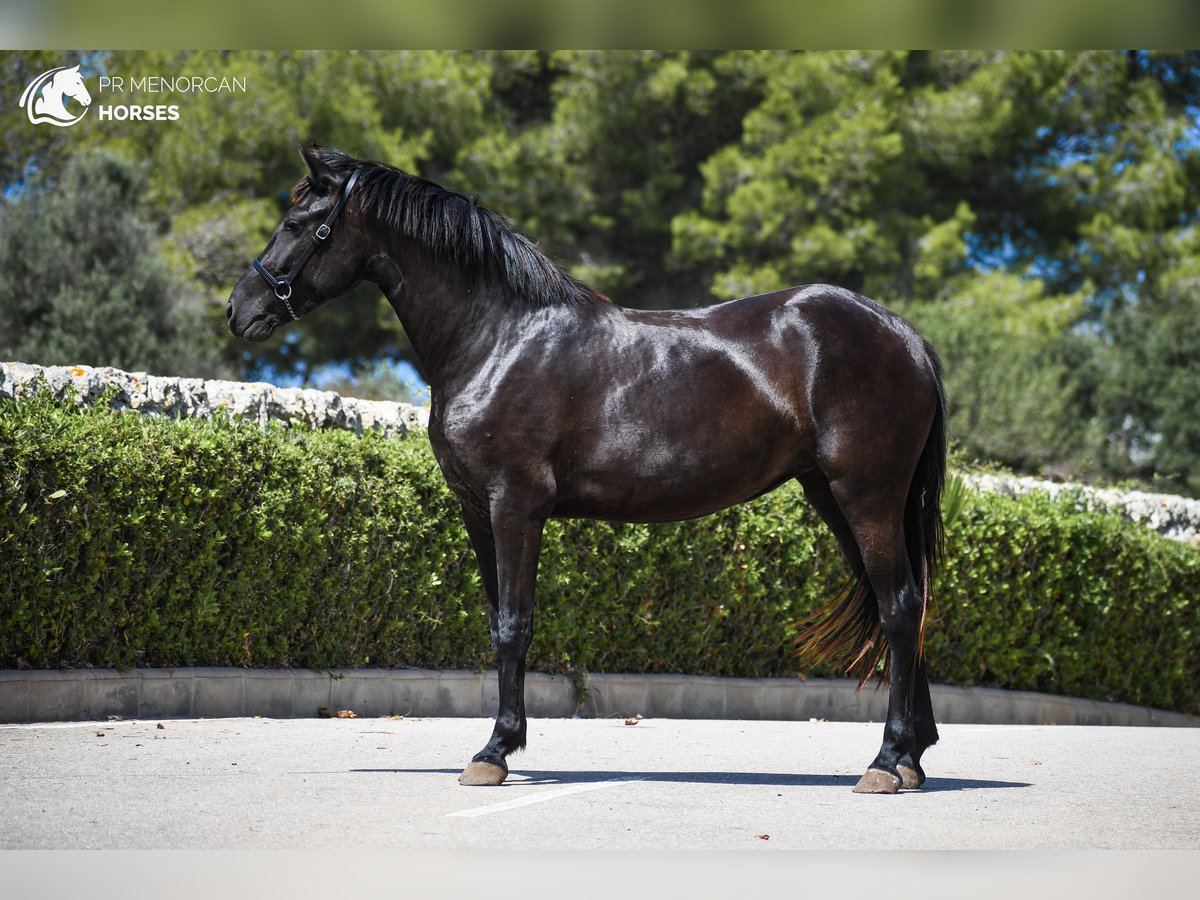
(97, 694)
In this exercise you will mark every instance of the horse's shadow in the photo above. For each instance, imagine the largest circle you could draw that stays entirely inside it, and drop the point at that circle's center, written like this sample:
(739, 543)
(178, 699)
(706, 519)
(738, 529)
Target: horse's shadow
(518, 778)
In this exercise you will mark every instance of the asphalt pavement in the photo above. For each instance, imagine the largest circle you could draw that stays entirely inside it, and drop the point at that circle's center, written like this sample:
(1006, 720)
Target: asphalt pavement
(659, 784)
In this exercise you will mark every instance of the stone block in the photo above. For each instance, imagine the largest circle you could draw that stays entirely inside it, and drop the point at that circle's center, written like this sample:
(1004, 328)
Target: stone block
(467, 694)
(218, 693)
(414, 692)
(14, 698)
(55, 697)
(162, 694)
(109, 693)
(784, 700)
(366, 692)
(549, 696)
(612, 696)
(268, 693)
(311, 690)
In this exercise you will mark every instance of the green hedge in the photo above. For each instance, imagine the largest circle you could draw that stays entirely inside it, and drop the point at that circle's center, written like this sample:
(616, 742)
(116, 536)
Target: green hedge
(130, 540)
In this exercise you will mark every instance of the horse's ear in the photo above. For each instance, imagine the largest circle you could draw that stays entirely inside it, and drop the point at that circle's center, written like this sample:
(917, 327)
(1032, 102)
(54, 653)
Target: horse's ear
(321, 176)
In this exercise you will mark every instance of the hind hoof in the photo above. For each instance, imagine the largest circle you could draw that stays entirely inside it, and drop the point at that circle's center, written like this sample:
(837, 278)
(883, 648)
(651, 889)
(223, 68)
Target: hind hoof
(910, 779)
(876, 781)
(483, 774)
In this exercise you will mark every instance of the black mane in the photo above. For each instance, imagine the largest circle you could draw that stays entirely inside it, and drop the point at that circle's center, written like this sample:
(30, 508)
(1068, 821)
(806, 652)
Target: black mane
(479, 243)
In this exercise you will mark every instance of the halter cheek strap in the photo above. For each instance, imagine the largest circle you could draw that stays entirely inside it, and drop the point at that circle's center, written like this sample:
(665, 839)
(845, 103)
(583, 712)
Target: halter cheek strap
(283, 284)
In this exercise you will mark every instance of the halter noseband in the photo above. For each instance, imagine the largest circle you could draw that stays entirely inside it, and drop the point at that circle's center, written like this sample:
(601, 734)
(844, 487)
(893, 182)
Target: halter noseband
(283, 285)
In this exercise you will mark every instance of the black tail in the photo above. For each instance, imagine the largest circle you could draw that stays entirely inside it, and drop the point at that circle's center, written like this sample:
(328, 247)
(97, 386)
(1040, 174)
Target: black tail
(923, 530)
(848, 627)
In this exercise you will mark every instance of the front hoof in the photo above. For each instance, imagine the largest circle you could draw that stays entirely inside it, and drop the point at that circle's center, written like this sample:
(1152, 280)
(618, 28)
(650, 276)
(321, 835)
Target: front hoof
(876, 781)
(911, 778)
(483, 774)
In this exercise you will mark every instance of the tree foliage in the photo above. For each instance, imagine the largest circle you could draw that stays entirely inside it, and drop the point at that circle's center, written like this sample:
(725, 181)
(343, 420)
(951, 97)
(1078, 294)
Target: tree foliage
(1033, 212)
(82, 282)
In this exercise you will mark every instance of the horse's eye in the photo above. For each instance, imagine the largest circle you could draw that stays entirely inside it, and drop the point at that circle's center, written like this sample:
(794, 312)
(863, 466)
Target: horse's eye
(291, 225)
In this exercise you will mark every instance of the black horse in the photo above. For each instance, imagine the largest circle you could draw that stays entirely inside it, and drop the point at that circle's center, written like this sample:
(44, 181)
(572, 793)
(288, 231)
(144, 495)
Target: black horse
(548, 400)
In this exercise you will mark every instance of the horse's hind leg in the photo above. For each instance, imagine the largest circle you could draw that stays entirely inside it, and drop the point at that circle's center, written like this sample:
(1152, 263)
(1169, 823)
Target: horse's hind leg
(820, 497)
(912, 776)
(877, 521)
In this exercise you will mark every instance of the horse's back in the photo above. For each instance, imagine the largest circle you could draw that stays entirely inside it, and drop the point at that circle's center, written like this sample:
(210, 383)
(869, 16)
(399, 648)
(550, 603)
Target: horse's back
(812, 339)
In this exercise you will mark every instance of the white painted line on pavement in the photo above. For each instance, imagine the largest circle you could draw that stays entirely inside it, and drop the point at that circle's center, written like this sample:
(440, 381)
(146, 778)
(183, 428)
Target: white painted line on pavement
(543, 796)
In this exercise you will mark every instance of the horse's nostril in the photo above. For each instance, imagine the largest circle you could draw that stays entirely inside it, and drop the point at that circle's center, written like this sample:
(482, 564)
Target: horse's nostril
(228, 312)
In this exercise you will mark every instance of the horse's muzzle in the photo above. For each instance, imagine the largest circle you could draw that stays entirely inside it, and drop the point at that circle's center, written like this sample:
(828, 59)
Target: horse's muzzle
(257, 331)
(261, 325)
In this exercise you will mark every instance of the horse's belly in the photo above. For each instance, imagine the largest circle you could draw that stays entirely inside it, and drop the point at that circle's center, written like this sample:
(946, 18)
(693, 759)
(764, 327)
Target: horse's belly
(669, 508)
(651, 491)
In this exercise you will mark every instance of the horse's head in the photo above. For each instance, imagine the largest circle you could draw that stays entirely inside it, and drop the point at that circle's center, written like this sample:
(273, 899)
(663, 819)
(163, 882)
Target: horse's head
(70, 84)
(314, 255)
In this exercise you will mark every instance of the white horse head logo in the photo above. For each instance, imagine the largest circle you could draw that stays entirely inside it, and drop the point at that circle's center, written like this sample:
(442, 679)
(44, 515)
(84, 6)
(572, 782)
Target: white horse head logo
(44, 99)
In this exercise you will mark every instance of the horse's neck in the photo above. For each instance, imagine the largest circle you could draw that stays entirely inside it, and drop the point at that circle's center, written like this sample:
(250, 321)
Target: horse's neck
(453, 328)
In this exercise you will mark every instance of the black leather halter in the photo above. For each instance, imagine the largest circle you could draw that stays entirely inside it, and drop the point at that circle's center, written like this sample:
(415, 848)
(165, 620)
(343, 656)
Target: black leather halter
(283, 284)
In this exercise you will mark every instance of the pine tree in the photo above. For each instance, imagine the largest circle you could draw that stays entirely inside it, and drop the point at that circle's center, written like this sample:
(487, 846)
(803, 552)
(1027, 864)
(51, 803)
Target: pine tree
(81, 280)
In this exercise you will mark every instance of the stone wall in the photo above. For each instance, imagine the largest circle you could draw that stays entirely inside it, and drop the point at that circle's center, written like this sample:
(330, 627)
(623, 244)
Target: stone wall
(183, 397)
(1173, 517)
(1177, 518)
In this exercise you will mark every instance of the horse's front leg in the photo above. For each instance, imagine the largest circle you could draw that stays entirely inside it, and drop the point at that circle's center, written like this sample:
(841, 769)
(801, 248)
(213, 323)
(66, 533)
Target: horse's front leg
(516, 542)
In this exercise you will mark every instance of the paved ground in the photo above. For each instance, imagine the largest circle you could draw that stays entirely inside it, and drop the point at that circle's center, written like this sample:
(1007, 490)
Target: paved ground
(586, 783)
